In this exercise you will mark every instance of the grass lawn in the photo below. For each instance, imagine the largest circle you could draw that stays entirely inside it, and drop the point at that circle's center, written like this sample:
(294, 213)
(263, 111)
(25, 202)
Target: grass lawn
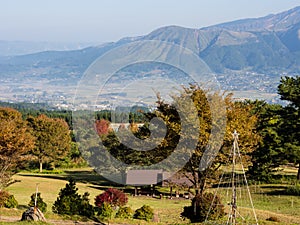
(268, 203)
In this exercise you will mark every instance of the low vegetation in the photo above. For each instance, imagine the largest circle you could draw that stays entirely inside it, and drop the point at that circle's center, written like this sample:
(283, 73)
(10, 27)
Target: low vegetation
(267, 200)
(7, 200)
(144, 213)
(204, 207)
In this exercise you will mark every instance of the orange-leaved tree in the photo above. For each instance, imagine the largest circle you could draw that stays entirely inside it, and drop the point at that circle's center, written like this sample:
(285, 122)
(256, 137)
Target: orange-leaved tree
(15, 142)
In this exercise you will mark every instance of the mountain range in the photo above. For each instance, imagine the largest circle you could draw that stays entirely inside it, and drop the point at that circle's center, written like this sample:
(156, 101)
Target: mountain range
(248, 55)
(13, 48)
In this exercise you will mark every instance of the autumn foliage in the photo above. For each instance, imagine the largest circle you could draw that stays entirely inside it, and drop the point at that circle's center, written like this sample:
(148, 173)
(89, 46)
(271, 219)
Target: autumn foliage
(15, 142)
(113, 197)
(102, 127)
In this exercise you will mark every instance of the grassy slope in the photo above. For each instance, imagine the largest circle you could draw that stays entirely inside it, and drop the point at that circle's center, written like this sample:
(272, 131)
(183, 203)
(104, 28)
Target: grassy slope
(286, 208)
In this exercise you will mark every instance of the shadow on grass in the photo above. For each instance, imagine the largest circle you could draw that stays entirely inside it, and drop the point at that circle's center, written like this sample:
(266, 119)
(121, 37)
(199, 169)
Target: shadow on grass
(22, 207)
(272, 186)
(277, 190)
(86, 177)
(95, 181)
(286, 191)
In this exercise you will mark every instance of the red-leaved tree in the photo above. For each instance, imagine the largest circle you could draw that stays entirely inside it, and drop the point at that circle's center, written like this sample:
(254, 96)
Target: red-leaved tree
(112, 196)
(102, 127)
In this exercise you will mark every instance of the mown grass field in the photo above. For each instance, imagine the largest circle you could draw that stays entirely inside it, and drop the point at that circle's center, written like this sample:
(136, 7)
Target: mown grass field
(267, 199)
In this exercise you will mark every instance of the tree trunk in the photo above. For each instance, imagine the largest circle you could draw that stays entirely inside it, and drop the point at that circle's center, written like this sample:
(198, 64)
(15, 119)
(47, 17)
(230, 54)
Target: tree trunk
(202, 182)
(41, 166)
(197, 188)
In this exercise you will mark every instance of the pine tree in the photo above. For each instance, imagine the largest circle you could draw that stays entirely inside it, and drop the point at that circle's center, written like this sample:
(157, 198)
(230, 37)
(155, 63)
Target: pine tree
(39, 202)
(69, 202)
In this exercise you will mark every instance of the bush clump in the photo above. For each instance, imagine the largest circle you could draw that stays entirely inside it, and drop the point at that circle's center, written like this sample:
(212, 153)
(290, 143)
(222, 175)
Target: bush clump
(144, 213)
(125, 213)
(105, 211)
(7, 200)
(69, 202)
(293, 190)
(39, 202)
(11, 202)
(207, 206)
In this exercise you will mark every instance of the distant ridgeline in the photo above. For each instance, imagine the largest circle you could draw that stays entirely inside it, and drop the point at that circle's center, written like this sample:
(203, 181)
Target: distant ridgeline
(120, 115)
(248, 57)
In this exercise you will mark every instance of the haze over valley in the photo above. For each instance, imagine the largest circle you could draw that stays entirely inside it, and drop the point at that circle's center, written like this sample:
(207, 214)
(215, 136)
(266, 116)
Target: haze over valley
(248, 57)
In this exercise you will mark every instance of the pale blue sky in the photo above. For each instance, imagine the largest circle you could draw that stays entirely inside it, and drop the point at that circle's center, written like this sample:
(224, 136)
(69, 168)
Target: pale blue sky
(109, 20)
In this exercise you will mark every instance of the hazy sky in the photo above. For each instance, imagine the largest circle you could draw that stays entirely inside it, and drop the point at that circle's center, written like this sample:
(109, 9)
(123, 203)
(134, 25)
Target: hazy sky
(109, 20)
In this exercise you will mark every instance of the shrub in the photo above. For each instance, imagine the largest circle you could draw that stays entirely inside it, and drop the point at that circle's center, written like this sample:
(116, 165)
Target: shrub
(207, 206)
(39, 202)
(69, 202)
(124, 213)
(7, 200)
(86, 209)
(144, 213)
(293, 190)
(112, 196)
(11, 202)
(105, 211)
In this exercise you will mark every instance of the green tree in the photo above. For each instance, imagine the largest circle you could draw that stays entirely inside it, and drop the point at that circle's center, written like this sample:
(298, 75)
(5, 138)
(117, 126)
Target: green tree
(69, 202)
(53, 139)
(15, 142)
(289, 90)
(270, 153)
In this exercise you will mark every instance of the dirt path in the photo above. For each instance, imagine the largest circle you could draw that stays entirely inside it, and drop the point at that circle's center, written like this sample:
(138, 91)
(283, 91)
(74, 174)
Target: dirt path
(56, 222)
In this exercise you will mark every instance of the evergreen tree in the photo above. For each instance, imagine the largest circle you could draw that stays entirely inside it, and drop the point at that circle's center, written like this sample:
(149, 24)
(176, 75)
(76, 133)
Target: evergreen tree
(289, 90)
(69, 202)
(269, 155)
(39, 202)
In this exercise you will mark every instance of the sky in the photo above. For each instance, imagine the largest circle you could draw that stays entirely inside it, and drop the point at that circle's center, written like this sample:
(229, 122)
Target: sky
(102, 21)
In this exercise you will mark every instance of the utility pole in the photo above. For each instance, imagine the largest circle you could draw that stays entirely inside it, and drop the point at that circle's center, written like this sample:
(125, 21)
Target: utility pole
(233, 186)
(35, 200)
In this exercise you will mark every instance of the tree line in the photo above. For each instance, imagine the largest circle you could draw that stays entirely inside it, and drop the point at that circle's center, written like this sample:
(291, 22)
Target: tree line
(268, 134)
(36, 135)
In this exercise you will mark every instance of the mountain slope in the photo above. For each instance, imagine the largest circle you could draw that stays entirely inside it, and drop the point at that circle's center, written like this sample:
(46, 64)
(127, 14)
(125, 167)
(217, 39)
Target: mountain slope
(270, 42)
(273, 22)
(224, 49)
(251, 50)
